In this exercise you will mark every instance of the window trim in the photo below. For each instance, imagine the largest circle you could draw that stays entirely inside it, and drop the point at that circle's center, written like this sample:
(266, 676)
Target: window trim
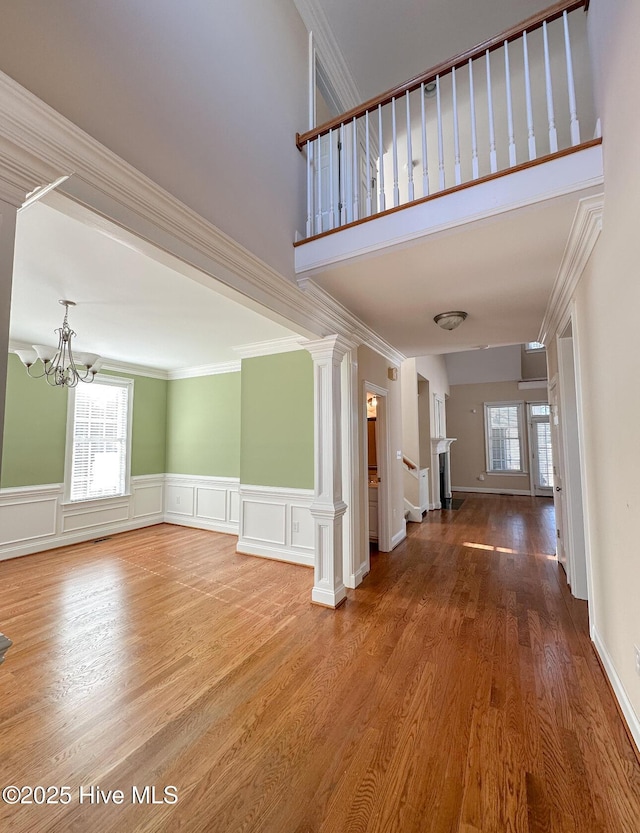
(116, 381)
(523, 470)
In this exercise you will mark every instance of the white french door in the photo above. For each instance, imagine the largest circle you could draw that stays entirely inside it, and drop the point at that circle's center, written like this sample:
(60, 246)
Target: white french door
(541, 449)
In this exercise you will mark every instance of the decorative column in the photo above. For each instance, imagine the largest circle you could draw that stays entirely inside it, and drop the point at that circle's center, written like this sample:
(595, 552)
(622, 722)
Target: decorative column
(328, 508)
(7, 238)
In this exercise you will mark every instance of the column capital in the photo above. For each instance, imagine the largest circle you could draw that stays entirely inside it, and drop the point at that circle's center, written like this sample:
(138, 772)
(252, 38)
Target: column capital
(327, 509)
(331, 348)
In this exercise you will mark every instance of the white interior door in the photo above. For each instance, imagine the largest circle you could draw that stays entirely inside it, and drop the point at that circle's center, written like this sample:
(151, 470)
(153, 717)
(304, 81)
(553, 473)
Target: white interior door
(575, 543)
(558, 493)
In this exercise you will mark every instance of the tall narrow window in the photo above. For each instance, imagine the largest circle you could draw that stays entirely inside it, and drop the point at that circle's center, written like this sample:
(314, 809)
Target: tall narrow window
(99, 439)
(504, 437)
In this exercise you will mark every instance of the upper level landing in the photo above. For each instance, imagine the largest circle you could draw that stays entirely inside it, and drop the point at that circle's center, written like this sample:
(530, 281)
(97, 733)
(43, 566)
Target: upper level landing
(458, 189)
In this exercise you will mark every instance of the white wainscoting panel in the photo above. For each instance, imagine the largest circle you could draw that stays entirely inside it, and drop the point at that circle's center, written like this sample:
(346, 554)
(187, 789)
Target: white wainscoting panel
(202, 502)
(277, 523)
(211, 503)
(105, 512)
(28, 513)
(35, 518)
(180, 498)
(148, 499)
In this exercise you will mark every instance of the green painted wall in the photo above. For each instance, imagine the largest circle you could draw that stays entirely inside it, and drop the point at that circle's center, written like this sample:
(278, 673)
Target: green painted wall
(149, 432)
(36, 424)
(187, 426)
(203, 425)
(277, 421)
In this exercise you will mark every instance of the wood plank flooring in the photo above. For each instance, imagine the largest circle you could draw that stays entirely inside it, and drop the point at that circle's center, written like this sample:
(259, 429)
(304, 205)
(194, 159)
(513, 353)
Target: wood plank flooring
(456, 690)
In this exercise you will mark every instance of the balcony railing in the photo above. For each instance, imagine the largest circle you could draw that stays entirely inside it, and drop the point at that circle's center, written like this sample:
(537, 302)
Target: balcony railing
(507, 102)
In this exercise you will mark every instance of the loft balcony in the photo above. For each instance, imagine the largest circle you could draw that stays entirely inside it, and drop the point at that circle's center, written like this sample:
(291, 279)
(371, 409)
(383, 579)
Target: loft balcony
(508, 124)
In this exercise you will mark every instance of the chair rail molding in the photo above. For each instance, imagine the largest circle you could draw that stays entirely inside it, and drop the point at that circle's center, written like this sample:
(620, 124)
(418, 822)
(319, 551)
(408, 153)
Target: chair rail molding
(39, 146)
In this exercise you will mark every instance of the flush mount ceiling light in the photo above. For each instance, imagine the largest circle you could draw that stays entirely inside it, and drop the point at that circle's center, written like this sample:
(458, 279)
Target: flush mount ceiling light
(450, 320)
(430, 89)
(60, 367)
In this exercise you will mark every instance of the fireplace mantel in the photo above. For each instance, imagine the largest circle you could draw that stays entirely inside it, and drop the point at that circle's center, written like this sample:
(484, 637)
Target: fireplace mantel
(441, 445)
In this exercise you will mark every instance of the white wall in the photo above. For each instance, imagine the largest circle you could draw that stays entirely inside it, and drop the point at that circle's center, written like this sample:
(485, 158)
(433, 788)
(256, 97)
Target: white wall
(434, 370)
(498, 364)
(607, 304)
(205, 97)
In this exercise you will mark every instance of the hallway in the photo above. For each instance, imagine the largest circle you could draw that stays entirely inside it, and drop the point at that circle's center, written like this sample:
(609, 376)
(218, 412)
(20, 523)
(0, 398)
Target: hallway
(456, 690)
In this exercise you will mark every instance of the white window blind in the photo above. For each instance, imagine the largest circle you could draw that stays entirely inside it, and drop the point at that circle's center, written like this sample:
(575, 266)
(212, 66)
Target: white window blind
(503, 424)
(100, 441)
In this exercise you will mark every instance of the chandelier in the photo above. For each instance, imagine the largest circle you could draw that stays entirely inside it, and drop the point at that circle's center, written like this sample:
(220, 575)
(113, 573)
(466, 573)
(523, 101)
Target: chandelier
(60, 367)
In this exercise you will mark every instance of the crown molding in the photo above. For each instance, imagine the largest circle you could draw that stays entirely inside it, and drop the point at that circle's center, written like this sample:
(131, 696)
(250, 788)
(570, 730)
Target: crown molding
(133, 369)
(336, 316)
(289, 344)
(107, 364)
(43, 146)
(204, 370)
(585, 230)
(331, 57)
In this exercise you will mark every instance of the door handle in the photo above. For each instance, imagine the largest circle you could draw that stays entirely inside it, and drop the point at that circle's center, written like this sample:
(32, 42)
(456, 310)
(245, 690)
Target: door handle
(558, 488)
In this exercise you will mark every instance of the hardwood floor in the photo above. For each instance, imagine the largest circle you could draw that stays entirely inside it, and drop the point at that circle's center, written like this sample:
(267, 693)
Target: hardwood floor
(455, 691)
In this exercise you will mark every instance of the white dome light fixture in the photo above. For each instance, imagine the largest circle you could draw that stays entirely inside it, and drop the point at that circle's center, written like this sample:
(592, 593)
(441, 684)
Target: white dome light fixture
(450, 320)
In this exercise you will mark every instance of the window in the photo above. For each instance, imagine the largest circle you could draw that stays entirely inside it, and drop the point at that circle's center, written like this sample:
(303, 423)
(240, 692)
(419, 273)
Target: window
(540, 410)
(99, 439)
(504, 435)
(533, 346)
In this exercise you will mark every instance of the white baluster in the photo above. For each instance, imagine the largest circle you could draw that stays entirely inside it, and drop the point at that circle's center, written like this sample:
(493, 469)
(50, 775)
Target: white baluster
(475, 173)
(356, 178)
(512, 140)
(440, 139)
(394, 140)
(573, 111)
(309, 189)
(342, 199)
(332, 216)
(319, 186)
(553, 134)
(409, 152)
(493, 157)
(425, 163)
(366, 124)
(456, 136)
(381, 161)
(527, 95)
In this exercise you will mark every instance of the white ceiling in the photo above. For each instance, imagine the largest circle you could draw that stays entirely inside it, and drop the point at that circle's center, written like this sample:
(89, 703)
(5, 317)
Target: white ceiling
(385, 44)
(131, 307)
(496, 270)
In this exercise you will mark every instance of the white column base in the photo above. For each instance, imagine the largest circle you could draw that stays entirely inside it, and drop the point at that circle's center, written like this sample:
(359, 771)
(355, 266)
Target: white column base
(328, 585)
(328, 598)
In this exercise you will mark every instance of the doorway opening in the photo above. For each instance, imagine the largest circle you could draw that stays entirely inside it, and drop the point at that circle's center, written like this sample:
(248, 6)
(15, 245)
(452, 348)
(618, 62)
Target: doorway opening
(540, 450)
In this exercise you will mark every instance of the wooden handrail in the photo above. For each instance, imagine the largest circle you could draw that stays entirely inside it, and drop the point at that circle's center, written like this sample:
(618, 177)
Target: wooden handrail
(409, 464)
(529, 25)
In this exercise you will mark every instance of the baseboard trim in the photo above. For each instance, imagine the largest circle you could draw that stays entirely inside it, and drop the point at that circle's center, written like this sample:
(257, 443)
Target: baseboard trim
(487, 491)
(399, 537)
(358, 577)
(415, 513)
(627, 712)
(275, 554)
(200, 523)
(80, 537)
